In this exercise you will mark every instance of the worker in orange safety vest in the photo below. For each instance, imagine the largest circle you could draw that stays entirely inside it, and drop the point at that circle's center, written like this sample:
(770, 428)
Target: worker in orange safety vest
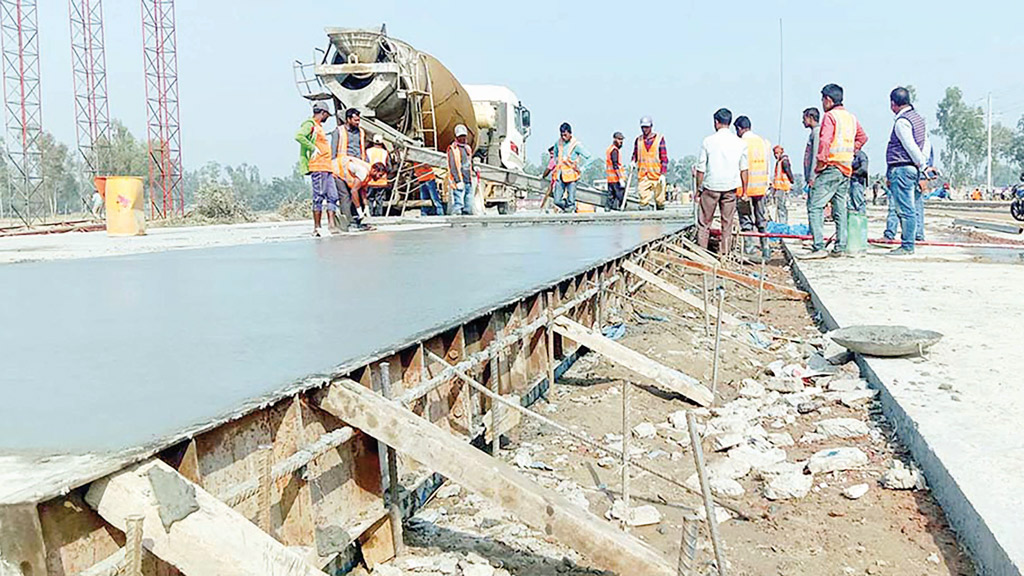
(352, 177)
(570, 159)
(460, 172)
(751, 205)
(427, 180)
(650, 156)
(377, 188)
(782, 183)
(614, 173)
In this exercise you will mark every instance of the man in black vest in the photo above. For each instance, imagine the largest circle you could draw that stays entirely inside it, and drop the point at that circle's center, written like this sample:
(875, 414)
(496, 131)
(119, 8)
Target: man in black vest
(907, 160)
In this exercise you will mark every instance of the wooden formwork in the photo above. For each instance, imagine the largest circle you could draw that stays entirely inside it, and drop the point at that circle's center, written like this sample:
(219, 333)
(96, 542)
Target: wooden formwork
(325, 483)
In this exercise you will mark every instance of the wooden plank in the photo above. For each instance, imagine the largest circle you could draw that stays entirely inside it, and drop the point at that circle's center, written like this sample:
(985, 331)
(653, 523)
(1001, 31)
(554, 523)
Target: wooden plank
(378, 543)
(676, 292)
(692, 255)
(741, 278)
(213, 540)
(663, 376)
(22, 549)
(542, 509)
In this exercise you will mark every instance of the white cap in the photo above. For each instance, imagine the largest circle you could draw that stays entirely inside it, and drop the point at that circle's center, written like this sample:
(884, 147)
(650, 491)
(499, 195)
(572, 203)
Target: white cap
(646, 121)
(461, 130)
(378, 139)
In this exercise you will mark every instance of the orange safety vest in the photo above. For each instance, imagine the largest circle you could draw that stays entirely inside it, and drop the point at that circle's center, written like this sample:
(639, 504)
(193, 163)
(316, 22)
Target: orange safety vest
(377, 155)
(343, 169)
(568, 170)
(455, 152)
(757, 157)
(648, 160)
(611, 174)
(343, 142)
(781, 183)
(840, 154)
(320, 161)
(423, 173)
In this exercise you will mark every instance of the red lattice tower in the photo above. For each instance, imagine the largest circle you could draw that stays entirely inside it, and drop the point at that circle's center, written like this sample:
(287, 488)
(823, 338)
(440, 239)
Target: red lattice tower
(19, 35)
(160, 57)
(89, 71)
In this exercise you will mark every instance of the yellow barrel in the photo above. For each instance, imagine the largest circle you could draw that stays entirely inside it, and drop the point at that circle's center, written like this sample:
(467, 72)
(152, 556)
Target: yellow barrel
(125, 215)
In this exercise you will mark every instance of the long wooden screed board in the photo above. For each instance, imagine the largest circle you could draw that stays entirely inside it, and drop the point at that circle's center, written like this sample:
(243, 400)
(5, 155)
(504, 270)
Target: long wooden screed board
(491, 478)
(676, 292)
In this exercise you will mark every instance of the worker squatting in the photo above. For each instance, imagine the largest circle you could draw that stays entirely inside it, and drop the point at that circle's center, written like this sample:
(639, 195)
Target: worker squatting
(732, 173)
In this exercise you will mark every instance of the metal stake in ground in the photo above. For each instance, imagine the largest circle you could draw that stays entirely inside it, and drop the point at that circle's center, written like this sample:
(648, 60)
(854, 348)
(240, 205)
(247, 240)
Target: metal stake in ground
(495, 433)
(688, 544)
(705, 490)
(760, 291)
(625, 455)
(394, 506)
(133, 545)
(718, 344)
(550, 300)
(707, 314)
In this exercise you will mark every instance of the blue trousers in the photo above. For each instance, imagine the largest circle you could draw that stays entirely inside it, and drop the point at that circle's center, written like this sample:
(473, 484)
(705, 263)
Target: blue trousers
(462, 200)
(428, 191)
(903, 183)
(833, 186)
(919, 215)
(565, 195)
(857, 203)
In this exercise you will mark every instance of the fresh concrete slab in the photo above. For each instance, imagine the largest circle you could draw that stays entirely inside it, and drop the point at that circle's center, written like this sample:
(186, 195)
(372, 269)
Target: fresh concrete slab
(959, 409)
(123, 355)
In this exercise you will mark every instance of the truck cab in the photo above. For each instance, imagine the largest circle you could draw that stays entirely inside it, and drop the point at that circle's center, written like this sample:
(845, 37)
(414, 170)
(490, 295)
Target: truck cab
(504, 126)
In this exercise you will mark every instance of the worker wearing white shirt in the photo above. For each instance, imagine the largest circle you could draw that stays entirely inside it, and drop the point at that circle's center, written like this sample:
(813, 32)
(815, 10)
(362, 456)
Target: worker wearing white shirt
(722, 172)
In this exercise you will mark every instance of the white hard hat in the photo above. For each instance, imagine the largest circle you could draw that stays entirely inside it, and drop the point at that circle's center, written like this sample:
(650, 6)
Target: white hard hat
(461, 130)
(646, 121)
(378, 139)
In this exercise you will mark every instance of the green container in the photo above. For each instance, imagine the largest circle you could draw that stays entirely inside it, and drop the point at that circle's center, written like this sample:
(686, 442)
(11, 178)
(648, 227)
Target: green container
(857, 233)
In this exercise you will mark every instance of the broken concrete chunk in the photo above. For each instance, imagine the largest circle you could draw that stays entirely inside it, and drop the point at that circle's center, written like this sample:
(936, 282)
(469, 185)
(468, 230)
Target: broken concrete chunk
(835, 459)
(722, 442)
(751, 389)
(856, 491)
(789, 486)
(643, 516)
(477, 570)
(645, 431)
(857, 398)
(809, 406)
(784, 385)
(846, 385)
(781, 439)
(175, 496)
(899, 477)
(732, 468)
(842, 428)
(719, 485)
(757, 454)
(678, 419)
(387, 570)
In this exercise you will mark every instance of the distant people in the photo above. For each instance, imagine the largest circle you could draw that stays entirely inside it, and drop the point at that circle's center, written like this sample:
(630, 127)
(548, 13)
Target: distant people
(859, 183)
(570, 156)
(349, 139)
(782, 183)
(976, 195)
(428, 190)
(922, 189)
(906, 160)
(315, 160)
(460, 172)
(811, 121)
(378, 187)
(651, 157)
(751, 205)
(875, 189)
(841, 137)
(722, 173)
(614, 174)
(97, 204)
(943, 192)
(353, 176)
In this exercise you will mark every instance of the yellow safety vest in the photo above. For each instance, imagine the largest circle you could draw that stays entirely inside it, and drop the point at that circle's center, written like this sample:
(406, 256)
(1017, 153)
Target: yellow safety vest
(568, 170)
(757, 157)
(648, 160)
(840, 154)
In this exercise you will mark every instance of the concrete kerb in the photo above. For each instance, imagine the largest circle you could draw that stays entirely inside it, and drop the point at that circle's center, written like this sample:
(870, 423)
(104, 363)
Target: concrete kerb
(972, 532)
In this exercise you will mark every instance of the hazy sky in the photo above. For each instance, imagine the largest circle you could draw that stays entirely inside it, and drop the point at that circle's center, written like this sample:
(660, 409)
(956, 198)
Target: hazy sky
(599, 65)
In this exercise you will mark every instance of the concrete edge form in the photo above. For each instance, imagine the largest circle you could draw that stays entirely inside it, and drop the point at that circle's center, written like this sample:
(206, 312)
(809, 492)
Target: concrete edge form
(970, 527)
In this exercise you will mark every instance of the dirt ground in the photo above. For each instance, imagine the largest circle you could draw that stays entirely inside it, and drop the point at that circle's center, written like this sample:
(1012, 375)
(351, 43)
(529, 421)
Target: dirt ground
(885, 531)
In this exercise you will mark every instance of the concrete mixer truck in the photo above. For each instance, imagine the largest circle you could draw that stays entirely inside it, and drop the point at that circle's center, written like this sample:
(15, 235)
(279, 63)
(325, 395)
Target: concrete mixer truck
(410, 98)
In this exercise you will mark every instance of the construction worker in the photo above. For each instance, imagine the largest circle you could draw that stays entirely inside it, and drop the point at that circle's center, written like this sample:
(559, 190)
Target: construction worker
(614, 173)
(570, 157)
(841, 137)
(751, 205)
(353, 176)
(811, 121)
(722, 173)
(651, 159)
(428, 190)
(460, 172)
(377, 188)
(906, 159)
(350, 139)
(782, 183)
(315, 160)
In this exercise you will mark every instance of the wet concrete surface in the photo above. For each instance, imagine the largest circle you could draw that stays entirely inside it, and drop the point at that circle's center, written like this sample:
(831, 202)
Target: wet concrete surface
(106, 354)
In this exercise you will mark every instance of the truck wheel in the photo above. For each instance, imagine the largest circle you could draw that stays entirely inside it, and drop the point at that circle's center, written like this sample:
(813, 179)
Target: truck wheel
(1017, 209)
(507, 207)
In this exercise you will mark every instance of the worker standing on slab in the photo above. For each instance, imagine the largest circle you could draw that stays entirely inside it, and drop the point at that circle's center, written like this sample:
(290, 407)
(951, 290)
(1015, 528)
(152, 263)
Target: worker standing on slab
(460, 172)
(377, 190)
(353, 176)
(350, 139)
(651, 158)
(782, 183)
(315, 160)
(614, 173)
(570, 157)
(722, 173)
(811, 121)
(428, 190)
(751, 205)
(906, 160)
(841, 137)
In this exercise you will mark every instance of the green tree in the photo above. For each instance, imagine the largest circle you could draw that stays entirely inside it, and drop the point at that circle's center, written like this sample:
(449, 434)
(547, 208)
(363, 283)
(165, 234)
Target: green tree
(680, 170)
(963, 129)
(122, 154)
